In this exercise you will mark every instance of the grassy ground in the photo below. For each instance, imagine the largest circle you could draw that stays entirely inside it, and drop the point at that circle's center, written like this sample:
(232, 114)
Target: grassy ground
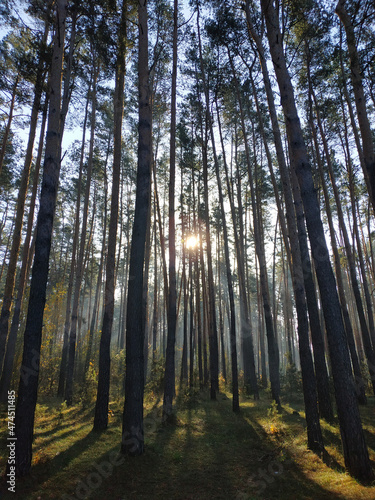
(210, 453)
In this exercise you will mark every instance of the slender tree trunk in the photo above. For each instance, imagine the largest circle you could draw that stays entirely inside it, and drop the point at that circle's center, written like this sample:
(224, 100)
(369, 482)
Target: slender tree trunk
(273, 351)
(133, 435)
(360, 257)
(145, 288)
(81, 254)
(99, 279)
(21, 200)
(359, 382)
(199, 320)
(9, 123)
(25, 270)
(232, 329)
(184, 357)
(155, 319)
(360, 99)
(355, 450)
(102, 398)
(369, 351)
(69, 294)
(28, 386)
(169, 377)
(221, 319)
(250, 380)
(212, 326)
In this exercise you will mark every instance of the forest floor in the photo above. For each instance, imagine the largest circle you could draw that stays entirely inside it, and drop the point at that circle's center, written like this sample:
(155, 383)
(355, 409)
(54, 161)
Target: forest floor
(209, 453)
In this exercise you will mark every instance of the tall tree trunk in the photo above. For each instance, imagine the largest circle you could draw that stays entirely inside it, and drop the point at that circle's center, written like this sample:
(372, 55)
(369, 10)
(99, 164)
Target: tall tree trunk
(81, 254)
(21, 200)
(301, 285)
(359, 382)
(169, 376)
(102, 398)
(220, 300)
(24, 273)
(69, 293)
(273, 351)
(360, 257)
(28, 386)
(212, 326)
(133, 434)
(360, 99)
(232, 329)
(354, 445)
(248, 360)
(146, 271)
(94, 315)
(155, 318)
(369, 351)
(9, 123)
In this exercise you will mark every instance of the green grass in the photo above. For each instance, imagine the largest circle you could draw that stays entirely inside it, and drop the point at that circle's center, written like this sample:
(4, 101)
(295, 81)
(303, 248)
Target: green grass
(210, 453)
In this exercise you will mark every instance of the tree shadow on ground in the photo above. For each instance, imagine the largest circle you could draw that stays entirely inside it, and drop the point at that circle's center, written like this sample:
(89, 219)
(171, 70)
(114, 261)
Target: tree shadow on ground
(209, 453)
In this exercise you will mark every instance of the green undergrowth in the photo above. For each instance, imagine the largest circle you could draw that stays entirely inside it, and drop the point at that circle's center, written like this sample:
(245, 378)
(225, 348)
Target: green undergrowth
(208, 453)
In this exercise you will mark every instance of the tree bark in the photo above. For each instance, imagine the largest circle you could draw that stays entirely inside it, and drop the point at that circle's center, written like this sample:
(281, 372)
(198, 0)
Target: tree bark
(102, 398)
(368, 348)
(273, 351)
(69, 293)
(169, 376)
(21, 200)
(82, 247)
(24, 273)
(354, 445)
(360, 99)
(232, 328)
(212, 326)
(9, 123)
(28, 385)
(133, 434)
(250, 380)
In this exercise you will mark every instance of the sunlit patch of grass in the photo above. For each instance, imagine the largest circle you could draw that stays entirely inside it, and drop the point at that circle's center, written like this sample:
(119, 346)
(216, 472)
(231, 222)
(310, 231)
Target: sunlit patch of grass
(208, 453)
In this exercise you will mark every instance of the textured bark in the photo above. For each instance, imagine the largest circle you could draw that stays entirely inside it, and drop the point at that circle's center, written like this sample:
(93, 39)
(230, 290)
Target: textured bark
(360, 258)
(21, 200)
(360, 99)
(368, 348)
(90, 342)
(69, 293)
(28, 386)
(247, 351)
(302, 286)
(81, 253)
(354, 445)
(273, 351)
(232, 327)
(359, 382)
(133, 435)
(169, 377)
(212, 323)
(102, 398)
(9, 123)
(28, 250)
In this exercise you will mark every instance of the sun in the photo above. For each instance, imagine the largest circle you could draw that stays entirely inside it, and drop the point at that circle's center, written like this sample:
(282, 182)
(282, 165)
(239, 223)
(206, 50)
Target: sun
(191, 242)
